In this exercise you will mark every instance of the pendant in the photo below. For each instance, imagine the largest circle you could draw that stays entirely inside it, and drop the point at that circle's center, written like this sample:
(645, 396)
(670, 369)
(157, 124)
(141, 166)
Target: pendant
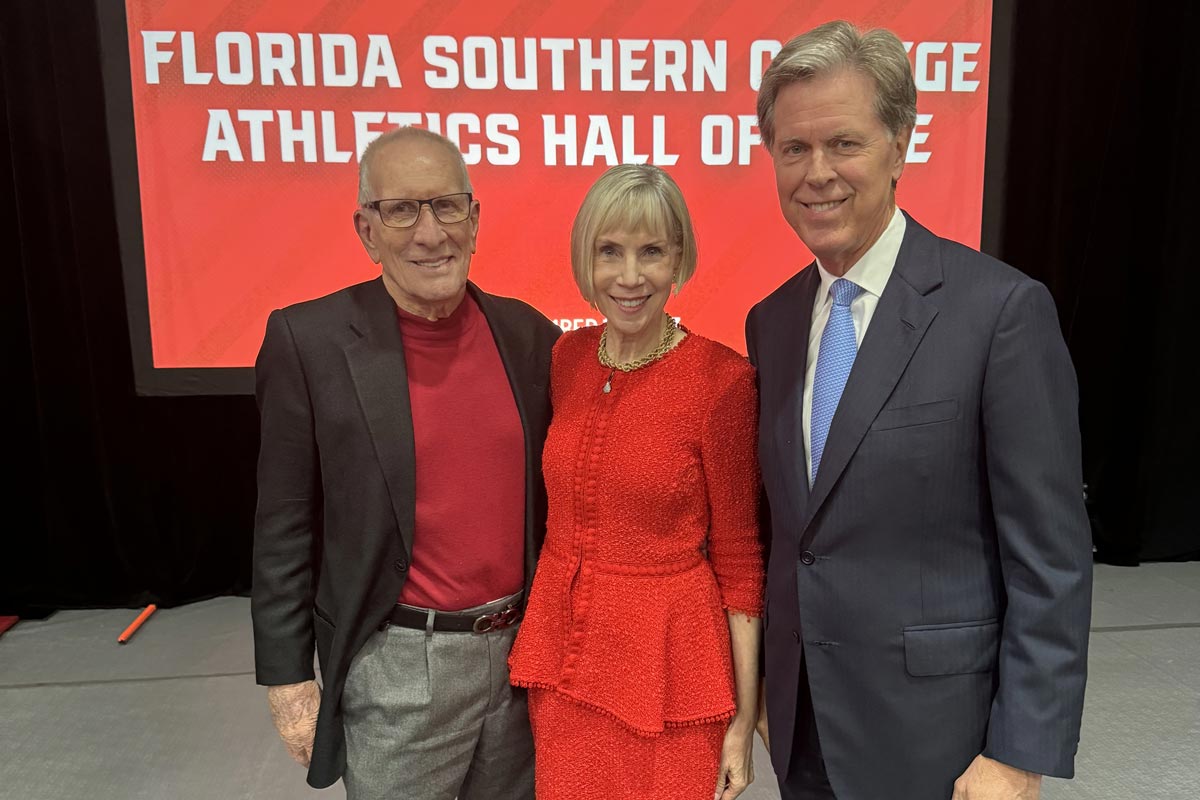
(607, 386)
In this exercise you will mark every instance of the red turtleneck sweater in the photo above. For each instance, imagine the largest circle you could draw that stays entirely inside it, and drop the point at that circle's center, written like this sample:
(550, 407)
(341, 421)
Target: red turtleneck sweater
(469, 544)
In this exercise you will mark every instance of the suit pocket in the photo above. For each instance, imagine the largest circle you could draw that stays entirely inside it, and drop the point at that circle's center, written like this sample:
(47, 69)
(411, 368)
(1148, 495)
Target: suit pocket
(920, 414)
(954, 649)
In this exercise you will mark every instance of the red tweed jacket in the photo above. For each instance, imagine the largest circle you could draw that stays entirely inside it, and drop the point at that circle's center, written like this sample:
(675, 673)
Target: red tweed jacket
(652, 533)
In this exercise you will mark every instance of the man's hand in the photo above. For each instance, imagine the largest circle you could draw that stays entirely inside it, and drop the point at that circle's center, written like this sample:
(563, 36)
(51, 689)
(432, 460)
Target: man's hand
(294, 712)
(987, 779)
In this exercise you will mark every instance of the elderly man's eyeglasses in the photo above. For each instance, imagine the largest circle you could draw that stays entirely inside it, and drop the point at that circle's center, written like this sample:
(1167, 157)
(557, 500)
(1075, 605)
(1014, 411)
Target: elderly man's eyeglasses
(449, 209)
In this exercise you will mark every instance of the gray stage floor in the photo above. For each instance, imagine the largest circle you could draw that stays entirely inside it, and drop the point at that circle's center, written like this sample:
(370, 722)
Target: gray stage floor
(175, 713)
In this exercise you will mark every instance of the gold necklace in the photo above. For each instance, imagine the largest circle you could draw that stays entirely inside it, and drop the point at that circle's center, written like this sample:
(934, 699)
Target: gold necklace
(664, 346)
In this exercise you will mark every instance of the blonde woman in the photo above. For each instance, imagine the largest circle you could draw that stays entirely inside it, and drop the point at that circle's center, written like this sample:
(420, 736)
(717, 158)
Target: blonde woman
(640, 641)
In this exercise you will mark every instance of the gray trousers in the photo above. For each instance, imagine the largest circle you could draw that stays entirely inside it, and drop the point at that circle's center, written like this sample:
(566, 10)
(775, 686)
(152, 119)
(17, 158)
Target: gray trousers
(431, 716)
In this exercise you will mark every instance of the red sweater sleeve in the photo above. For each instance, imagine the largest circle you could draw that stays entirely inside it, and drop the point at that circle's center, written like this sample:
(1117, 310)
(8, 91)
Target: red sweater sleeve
(728, 456)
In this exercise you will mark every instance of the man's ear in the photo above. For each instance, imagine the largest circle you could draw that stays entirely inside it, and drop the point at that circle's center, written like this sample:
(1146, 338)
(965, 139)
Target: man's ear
(366, 233)
(474, 220)
(900, 153)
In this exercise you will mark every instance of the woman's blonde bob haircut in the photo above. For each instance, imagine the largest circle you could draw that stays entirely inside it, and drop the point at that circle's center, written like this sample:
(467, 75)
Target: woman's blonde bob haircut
(632, 198)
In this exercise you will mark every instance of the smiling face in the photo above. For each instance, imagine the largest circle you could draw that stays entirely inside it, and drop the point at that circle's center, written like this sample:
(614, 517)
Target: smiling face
(632, 275)
(835, 164)
(424, 266)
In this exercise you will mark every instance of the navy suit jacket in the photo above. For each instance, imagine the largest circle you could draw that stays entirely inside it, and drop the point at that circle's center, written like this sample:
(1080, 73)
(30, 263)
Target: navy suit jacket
(937, 576)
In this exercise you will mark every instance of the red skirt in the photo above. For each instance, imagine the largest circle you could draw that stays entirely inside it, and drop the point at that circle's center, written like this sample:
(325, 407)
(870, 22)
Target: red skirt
(583, 754)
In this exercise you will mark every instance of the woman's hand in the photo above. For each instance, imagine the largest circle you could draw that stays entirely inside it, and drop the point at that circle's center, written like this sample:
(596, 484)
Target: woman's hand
(737, 762)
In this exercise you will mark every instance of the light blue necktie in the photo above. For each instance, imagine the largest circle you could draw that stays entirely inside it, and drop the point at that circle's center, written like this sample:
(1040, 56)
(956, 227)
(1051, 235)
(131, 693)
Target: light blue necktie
(834, 360)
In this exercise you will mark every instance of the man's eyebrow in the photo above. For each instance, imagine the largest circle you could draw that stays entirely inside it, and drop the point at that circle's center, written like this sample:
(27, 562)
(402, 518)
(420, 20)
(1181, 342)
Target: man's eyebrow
(840, 133)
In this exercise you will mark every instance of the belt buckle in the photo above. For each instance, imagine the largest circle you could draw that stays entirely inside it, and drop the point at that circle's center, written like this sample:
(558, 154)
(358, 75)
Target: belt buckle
(497, 621)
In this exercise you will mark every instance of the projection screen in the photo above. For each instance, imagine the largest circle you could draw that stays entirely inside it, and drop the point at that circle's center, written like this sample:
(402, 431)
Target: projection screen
(235, 129)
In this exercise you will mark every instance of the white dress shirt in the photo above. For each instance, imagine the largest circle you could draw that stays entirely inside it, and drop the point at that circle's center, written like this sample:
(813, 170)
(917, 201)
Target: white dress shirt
(871, 272)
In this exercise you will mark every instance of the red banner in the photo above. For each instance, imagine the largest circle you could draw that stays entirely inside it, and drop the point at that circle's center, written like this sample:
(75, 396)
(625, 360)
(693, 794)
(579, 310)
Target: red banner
(249, 119)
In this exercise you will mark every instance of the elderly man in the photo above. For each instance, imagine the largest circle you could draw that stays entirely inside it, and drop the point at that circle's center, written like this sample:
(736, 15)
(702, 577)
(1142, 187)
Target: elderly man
(401, 504)
(929, 581)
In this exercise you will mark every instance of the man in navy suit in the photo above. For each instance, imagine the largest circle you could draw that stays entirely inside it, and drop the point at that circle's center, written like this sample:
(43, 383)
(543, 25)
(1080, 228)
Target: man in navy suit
(929, 581)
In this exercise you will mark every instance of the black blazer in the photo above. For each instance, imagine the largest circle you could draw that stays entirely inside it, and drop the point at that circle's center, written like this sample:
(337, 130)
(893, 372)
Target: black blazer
(937, 577)
(333, 531)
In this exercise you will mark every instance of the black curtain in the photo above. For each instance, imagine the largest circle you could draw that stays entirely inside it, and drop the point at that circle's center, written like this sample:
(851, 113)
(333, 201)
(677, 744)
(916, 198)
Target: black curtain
(121, 499)
(1103, 169)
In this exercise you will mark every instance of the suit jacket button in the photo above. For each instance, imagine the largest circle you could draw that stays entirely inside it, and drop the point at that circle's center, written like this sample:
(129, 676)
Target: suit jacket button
(807, 558)
(401, 564)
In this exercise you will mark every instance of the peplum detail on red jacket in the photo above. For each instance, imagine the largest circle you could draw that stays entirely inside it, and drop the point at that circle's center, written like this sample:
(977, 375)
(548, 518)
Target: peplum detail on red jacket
(652, 534)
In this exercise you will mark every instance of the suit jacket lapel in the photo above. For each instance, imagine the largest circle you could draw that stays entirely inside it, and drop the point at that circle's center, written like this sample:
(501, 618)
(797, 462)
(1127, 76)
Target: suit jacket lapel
(376, 361)
(516, 357)
(789, 347)
(516, 354)
(897, 327)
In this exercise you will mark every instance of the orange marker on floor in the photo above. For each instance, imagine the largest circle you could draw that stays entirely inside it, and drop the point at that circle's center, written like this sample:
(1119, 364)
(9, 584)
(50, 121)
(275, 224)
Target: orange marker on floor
(137, 623)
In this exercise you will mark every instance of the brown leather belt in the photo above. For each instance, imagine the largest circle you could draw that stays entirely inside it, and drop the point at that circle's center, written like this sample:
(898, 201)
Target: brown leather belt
(457, 621)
